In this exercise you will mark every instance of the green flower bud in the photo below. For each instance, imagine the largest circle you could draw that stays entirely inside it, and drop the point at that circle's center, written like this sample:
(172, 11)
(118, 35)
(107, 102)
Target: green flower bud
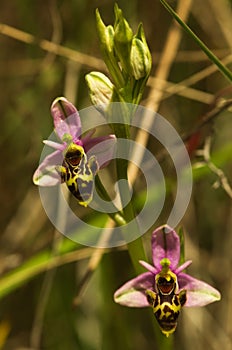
(140, 57)
(106, 35)
(101, 89)
(123, 36)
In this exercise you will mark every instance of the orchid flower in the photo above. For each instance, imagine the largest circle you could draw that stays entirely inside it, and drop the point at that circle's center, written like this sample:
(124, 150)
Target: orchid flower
(70, 162)
(165, 287)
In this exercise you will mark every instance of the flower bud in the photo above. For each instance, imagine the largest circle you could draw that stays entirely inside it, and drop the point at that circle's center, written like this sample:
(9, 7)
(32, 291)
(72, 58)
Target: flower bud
(101, 89)
(122, 39)
(140, 57)
(106, 35)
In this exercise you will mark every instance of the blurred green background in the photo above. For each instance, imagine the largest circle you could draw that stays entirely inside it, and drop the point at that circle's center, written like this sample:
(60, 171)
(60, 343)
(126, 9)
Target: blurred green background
(36, 307)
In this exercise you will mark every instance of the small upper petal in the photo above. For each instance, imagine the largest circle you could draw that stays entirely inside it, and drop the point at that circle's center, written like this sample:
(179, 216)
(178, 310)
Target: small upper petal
(183, 266)
(199, 293)
(66, 118)
(55, 145)
(149, 267)
(165, 244)
(46, 174)
(132, 293)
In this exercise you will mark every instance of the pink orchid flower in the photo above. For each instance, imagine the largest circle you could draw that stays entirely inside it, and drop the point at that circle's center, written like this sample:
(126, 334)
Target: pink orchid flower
(165, 287)
(76, 159)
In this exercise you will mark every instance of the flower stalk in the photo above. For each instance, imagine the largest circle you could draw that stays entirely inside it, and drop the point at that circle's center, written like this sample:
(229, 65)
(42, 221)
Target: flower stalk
(128, 60)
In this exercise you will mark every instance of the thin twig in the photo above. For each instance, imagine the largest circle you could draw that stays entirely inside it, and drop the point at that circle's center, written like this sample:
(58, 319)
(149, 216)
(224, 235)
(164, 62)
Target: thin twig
(49, 46)
(208, 118)
(222, 179)
(183, 90)
(195, 78)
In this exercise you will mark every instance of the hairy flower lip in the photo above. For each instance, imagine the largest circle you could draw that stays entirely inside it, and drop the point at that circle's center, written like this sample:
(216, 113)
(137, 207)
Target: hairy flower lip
(67, 125)
(165, 245)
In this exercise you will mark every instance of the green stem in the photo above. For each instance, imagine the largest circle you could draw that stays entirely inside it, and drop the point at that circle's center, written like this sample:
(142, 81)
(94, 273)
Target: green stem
(135, 248)
(223, 69)
(115, 72)
(117, 216)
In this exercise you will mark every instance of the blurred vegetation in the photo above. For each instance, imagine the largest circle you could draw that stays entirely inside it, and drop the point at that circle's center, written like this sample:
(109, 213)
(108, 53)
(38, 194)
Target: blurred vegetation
(37, 290)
